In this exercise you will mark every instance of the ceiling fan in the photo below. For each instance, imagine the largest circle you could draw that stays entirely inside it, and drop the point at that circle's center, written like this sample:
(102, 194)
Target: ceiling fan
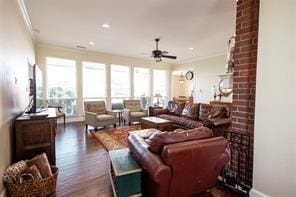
(158, 54)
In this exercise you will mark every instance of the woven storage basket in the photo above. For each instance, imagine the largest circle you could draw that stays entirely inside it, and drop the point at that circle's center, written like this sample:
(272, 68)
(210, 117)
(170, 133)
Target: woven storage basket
(42, 188)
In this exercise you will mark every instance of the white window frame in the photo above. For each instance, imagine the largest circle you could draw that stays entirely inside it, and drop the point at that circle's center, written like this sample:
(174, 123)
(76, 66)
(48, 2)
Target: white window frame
(75, 79)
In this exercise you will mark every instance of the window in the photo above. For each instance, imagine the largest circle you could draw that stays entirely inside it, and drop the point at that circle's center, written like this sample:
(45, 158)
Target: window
(141, 82)
(160, 86)
(94, 80)
(120, 81)
(61, 84)
(141, 85)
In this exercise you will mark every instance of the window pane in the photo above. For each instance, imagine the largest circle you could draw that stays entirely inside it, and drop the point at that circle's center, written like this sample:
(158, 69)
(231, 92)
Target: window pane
(61, 83)
(68, 105)
(141, 82)
(94, 80)
(120, 83)
(160, 82)
(145, 101)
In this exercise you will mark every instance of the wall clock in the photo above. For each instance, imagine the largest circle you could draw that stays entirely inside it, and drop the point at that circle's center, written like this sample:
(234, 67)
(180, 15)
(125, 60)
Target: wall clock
(189, 75)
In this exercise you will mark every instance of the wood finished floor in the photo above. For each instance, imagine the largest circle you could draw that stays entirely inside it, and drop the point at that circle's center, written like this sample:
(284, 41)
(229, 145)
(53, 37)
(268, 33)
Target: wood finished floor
(83, 165)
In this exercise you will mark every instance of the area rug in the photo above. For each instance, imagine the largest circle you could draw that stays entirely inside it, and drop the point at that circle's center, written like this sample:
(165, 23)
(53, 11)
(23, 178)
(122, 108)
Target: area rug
(114, 138)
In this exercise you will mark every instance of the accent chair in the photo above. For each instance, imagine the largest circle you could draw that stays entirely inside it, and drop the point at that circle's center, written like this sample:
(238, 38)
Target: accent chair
(96, 115)
(133, 112)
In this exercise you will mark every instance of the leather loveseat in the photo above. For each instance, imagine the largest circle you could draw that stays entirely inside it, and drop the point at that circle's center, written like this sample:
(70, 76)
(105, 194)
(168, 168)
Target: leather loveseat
(194, 115)
(178, 163)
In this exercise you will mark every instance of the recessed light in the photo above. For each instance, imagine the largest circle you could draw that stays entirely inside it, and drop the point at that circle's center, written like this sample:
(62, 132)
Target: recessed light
(191, 48)
(91, 43)
(105, 25)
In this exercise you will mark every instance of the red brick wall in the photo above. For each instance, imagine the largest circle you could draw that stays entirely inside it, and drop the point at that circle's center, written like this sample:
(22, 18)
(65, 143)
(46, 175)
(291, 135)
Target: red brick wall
(244, 75)
(245, 61)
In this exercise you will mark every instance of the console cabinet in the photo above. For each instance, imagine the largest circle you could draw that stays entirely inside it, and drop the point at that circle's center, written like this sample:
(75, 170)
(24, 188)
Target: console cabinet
(34, 136)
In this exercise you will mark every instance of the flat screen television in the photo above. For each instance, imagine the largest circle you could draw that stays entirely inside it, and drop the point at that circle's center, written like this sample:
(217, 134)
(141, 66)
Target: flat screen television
(36, 90)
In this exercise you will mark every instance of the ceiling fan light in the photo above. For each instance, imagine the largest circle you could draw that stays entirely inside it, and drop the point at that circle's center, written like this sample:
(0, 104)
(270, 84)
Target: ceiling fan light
(157, 59)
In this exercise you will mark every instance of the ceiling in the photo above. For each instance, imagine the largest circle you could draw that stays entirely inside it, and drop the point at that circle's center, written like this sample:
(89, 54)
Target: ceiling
(205, 25)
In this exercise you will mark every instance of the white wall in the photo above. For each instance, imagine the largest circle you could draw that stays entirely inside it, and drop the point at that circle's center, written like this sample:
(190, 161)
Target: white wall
(206, 71)
(181, 89)
(43, 51)
(275, 116)
(16, 49)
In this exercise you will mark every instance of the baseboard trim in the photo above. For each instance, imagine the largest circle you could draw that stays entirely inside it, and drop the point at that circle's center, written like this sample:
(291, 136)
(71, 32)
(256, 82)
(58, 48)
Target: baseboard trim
(71, 119)
(256, 193)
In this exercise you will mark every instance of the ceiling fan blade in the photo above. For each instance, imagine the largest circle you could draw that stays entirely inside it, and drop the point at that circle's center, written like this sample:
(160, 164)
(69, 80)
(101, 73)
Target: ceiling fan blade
(169, 56)
(164, 52)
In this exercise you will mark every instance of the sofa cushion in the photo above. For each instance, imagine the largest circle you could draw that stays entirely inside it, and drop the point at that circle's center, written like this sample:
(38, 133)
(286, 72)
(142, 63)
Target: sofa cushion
(182, 121)
(218, 112)
(96, 107)
(175, 108)
(105, 117)
(190, 111)
(168, 117)
(188, 123)
(41, 162)
(204, 111)
(138, 114)
(157, 141)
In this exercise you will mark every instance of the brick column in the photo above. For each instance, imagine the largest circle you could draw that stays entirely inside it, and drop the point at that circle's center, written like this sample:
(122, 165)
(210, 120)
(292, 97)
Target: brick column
(245, 62)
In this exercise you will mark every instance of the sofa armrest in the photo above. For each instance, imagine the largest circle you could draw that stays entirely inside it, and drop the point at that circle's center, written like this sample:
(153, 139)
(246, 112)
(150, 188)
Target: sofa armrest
(145, 111)
(158, 174)
(197, 161)
(218, 122)
(160, 111)
(111, 113)
(91, 118)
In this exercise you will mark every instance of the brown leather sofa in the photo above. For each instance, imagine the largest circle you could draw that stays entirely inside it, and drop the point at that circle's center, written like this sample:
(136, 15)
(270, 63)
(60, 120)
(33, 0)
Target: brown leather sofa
(194, 115)
(179, 163)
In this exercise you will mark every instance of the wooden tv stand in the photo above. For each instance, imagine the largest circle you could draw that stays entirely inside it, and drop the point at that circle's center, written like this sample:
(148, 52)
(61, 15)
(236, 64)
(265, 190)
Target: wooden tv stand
(36, 135)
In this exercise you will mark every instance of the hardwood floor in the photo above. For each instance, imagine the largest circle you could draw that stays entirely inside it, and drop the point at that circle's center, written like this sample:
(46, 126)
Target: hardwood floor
(83, 165)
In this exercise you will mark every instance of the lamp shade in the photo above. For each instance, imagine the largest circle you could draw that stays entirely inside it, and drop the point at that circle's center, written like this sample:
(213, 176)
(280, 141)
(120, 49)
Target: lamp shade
(157, 95)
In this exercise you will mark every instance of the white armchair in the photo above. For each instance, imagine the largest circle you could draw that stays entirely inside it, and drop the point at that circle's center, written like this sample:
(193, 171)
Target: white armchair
(96, 115)
(133, 112)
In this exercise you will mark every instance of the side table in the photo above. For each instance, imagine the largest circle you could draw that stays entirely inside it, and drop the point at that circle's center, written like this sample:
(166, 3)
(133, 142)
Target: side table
(152, 108)
(120, 118)
(125, 173)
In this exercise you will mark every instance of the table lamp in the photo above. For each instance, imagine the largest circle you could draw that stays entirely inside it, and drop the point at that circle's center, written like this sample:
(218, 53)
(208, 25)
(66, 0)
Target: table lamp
(157, 95)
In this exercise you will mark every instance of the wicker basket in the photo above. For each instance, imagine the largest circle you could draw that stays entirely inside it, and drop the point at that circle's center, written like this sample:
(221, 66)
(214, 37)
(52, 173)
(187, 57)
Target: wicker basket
(42, 188)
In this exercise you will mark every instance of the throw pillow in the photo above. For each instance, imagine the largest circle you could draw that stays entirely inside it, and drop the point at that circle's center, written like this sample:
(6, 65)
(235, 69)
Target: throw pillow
(190, 111)
(42, 164)
(13, 171)
(175, 108)
(29, 174)
(157, 141)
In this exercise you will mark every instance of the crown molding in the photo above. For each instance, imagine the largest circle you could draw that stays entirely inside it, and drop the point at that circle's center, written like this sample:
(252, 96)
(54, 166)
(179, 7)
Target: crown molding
(22, 7)
(93, 52)
(200, 58)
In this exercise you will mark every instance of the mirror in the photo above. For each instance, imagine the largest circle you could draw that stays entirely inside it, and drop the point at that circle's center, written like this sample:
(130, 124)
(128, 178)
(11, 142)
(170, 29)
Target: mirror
(225, 84)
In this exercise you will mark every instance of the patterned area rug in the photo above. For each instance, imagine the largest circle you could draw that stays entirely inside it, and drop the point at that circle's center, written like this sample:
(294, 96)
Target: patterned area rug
(113, 139)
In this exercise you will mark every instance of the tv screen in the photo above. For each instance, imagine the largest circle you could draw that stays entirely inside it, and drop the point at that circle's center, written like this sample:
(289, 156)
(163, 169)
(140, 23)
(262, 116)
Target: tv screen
(36, 90)
(39, 87)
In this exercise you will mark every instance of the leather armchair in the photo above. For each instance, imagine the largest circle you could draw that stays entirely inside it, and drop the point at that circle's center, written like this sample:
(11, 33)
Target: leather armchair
(185, 166)
(133, 112)
(96, 115)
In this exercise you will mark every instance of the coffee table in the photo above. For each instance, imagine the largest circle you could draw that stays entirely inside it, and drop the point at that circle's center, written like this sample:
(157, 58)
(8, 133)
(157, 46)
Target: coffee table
(125, 174)
(157, 123)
